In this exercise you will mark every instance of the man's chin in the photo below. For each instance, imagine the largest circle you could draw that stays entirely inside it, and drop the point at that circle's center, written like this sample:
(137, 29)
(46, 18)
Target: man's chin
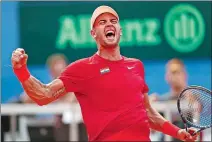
(111, 44)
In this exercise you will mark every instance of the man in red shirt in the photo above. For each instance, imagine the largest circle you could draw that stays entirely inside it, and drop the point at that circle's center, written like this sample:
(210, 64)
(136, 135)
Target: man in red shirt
(110, 88)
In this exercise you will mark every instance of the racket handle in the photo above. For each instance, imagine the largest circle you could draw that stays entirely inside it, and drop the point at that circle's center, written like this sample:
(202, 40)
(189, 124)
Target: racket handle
(194, 133)
(186, 129)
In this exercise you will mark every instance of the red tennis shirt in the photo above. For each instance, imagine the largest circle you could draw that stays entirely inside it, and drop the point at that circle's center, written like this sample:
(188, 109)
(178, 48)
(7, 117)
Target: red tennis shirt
(110, 94)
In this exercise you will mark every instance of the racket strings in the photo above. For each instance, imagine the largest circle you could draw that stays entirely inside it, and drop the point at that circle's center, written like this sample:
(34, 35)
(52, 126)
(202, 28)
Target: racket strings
(196, 107)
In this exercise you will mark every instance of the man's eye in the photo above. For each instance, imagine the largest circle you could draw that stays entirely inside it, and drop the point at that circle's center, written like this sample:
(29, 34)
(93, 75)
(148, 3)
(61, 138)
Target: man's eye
(101, 22)
(114, 21)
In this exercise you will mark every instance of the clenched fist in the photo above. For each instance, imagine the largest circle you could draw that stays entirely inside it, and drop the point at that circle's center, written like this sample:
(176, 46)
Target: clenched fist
(187, 136)
(19, 58)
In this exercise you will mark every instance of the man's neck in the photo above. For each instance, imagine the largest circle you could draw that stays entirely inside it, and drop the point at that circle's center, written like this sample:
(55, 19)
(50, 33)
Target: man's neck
(112, 54)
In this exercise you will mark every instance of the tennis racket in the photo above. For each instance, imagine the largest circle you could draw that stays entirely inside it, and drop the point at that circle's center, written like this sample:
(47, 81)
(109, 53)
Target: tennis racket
(194, 106)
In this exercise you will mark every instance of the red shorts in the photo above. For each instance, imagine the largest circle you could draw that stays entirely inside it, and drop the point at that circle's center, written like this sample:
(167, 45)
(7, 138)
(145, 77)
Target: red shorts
(132, 133)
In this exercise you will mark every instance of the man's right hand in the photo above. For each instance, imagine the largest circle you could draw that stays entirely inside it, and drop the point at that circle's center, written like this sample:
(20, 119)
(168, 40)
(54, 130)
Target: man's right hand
(19, 58)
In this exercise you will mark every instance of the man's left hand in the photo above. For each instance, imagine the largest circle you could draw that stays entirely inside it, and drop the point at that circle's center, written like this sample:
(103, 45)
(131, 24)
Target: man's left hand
(187, 136)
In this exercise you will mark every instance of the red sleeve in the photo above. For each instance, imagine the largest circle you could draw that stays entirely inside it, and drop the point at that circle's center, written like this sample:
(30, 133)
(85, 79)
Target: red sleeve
(72, 77)
(146, 88)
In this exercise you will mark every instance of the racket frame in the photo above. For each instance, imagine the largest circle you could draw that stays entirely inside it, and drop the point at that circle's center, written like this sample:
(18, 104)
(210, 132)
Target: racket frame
(185, 121)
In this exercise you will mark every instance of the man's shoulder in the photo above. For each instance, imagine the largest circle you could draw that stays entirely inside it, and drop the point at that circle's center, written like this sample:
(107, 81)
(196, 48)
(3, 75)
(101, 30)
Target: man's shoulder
(134, 60)
(129, 59)
(80, 65)
(80, 62)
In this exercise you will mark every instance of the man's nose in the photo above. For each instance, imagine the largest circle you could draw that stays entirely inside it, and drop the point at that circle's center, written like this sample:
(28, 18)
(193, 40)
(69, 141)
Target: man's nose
(108, 23)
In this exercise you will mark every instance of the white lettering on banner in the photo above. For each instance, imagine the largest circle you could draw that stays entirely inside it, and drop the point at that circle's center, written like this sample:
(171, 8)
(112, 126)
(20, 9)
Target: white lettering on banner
(75, 32)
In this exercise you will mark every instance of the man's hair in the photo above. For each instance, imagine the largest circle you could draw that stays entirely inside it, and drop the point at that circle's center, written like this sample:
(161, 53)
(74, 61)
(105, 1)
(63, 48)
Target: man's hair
(54, 57)
(176, 61)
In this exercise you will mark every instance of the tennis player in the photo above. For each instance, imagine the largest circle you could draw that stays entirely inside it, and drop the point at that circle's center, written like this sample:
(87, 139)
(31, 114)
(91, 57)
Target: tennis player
(110, 88)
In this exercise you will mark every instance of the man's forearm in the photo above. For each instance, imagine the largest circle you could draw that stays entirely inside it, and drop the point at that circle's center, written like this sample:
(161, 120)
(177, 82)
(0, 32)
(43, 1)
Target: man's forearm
(156, 121)
(34, 87)
(35, 90)
(159, 123)
(39, 92)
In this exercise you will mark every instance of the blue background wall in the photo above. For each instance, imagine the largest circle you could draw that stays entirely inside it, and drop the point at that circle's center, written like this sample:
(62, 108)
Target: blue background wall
(199, 70)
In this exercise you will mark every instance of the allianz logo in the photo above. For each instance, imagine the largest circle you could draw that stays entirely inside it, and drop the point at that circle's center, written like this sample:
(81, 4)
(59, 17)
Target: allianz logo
(183, 28)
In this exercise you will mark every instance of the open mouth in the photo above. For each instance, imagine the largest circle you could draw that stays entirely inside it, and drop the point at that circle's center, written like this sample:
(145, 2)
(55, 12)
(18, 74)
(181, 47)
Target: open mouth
(110, 34)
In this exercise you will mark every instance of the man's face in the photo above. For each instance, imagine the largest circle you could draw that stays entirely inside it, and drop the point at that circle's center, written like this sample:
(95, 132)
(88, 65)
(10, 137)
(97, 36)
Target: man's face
(106, 30)
(175, 75)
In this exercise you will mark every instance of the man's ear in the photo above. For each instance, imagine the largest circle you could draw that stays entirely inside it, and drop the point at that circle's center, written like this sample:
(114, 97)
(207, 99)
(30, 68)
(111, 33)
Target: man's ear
(121, 32)
(93, 33)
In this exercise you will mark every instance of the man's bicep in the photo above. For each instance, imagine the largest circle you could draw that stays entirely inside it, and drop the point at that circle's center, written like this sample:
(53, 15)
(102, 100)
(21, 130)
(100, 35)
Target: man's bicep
(57, 88)
(41, 93)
